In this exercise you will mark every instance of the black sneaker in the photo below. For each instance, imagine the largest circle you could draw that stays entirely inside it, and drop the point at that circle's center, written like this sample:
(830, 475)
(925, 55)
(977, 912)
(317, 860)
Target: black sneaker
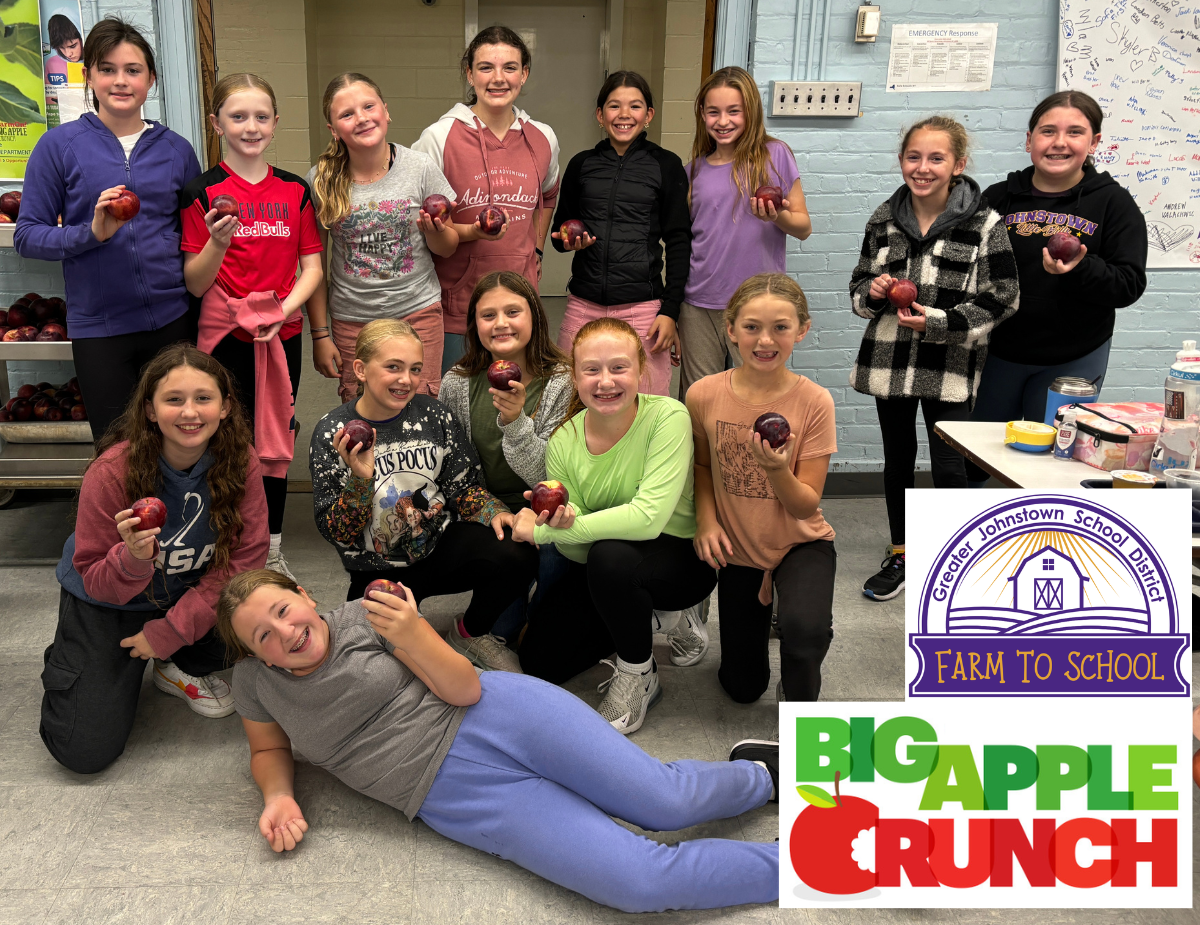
(888, 581)
(760, 750)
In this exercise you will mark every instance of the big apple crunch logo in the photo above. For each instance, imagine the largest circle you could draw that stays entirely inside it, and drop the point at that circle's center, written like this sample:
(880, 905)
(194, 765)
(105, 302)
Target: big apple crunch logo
(1037, 819)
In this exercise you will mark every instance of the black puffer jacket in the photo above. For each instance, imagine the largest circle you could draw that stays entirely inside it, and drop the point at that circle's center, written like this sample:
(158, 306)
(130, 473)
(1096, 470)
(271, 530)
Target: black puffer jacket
(630, 204)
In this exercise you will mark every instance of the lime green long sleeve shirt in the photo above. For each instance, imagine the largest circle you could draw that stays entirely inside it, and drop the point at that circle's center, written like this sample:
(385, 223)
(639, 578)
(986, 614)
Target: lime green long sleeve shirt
(639, 489)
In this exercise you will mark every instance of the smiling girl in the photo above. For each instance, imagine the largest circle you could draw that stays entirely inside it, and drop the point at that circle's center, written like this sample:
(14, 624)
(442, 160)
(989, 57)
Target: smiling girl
(413, 506)
(626, 461)
(937, 231)
(243, 267)
(631, 195)
(129, 593)
(125, 291)
(734, 235)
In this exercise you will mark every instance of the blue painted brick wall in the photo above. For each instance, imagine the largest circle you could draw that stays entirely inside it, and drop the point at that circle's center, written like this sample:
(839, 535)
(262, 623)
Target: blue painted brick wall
(849, 166)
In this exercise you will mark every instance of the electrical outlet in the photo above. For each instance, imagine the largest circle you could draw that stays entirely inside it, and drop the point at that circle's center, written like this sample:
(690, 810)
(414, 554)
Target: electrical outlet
(821, 98)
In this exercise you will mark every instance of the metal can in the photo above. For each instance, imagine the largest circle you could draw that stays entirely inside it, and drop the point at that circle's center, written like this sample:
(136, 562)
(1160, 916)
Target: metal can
(1066, 390)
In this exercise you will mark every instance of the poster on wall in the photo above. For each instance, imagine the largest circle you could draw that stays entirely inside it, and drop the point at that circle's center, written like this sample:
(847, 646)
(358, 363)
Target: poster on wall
(22, 93)
(941, 57)
(1142, 67)
(62, 51)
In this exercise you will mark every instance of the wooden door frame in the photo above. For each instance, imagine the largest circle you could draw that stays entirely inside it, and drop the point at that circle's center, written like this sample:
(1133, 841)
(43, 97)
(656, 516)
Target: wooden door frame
(206, 39)
(710, 29)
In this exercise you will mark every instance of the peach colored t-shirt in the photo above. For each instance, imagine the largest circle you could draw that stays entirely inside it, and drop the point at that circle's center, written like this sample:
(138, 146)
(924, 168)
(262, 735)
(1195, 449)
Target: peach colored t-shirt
(759, 528)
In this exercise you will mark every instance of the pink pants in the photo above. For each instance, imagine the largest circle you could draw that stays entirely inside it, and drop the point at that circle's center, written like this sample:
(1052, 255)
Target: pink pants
(639, 316)
(427, 323)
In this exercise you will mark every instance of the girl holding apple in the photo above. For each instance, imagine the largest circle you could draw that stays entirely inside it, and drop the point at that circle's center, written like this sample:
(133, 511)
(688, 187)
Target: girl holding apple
(631, 197)
(125, 291)
(502, 762)
(1068, 308)
(937, 236)
(247, 227)
(492, 153)
(410, 504)
(758, 507)
(626, 462)
(735, 235)
(134, 590)
(369, 196)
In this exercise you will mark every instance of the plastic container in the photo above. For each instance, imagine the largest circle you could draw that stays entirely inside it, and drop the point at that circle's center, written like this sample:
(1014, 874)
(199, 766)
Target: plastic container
(1117, 435)
(1066, 390)
(1029, 436)
(1068, 430)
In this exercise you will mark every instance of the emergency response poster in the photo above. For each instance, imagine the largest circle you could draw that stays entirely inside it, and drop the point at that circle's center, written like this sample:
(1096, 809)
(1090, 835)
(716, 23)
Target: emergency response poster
(22, 90)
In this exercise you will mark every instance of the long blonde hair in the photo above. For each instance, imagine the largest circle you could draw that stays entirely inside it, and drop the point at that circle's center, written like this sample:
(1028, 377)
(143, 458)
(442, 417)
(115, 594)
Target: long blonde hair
(751, 158)
(604, 325)
(331, 183)
(373, 334)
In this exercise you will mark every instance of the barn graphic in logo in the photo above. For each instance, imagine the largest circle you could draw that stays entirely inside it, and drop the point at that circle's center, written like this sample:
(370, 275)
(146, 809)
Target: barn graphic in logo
(1049, 595)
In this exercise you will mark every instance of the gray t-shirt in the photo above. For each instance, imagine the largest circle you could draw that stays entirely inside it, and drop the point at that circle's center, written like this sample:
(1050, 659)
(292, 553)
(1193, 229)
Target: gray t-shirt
(380, 265)
(362, 715)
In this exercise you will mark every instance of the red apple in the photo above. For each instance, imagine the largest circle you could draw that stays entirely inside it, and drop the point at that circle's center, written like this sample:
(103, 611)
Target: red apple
(491, 220)
(59, 332)
(571, 231)
(821, 843)
(30, 296)
(5, 220)
(547, 496)
(1063, 246)
(125, 206)
(4, 330)
(41, 406)
(5, 416)
(226, 205)
(73, 384)
(3, 317)
(503, 372)
(14, 335)
(771, 194)
(65, 402)
(21, 410)
(43, 310)
(42, 386)
(10, 204)
(902, 293)
(773, 428)
(27, 391)
(60, 302)
(153, 513)
(387, 587)
(18, 315)
(28, 332)
(436, 206)
(53, 413)
(359, 432)
(78, 413)
(49, 336)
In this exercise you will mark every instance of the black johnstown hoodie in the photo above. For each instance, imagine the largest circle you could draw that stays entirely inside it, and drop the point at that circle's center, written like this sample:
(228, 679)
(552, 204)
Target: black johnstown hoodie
(1064, 317)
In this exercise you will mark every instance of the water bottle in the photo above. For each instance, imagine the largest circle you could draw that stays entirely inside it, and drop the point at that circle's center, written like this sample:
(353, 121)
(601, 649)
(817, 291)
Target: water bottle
(1181, 391)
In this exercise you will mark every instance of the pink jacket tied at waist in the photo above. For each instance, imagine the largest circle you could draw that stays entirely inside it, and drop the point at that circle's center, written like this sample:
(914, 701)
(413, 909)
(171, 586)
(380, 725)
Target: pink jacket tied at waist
(274, 422)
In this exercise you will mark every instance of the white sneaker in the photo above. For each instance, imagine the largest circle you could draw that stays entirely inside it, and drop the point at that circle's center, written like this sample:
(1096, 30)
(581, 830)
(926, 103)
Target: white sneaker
(488, 652)
(689, 638)
(630, 694)
(208, 696)
(277, 563)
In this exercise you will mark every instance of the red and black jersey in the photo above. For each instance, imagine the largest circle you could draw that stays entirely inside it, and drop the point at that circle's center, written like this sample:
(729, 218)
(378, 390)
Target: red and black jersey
(277, 224)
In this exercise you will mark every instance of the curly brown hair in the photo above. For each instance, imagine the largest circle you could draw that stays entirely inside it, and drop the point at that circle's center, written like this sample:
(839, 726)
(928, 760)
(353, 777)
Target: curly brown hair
(229, 446)
(542, 357)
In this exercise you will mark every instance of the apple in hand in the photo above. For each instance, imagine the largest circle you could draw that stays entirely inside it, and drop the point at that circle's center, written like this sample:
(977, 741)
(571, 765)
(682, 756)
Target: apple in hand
(548, 496)
(822, 843)
(771, 194)
(503, 372)
(491, 220)
(387, 587)
(10, 204)
(125, 206)
(1063, 246)
(902, 293)
(153, 513)
(360, 435)
(225, 205)
(571, 231)
(436, 206)
(773, 428)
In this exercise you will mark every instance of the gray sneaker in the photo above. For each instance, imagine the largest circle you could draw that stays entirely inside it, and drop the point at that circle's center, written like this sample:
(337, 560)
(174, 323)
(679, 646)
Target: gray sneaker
(488, 652)
(629, 696)
(688, 638)
(277, 563)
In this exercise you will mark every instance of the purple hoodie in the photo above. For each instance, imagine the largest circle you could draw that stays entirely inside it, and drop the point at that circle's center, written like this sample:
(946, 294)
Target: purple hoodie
(134, 280)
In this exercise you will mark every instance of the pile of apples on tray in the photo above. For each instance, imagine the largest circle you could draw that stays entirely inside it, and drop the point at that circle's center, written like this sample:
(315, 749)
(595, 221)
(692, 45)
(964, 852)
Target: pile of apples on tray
(45, 402)
(32, 318)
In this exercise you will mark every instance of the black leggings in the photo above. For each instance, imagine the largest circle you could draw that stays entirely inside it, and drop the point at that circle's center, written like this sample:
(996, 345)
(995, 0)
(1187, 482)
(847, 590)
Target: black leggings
(804, 589)
(108, 368)
(468, 557)
(92, 685)
(898, 422)
(237, 356)
(606, 605)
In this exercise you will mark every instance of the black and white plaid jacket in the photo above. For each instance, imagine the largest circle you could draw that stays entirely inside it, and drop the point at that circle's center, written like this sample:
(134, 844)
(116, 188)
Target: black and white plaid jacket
(967, 280)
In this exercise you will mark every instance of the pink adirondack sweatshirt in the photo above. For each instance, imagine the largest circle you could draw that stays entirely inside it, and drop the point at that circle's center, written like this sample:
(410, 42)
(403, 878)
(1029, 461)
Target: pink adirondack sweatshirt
(519, 174)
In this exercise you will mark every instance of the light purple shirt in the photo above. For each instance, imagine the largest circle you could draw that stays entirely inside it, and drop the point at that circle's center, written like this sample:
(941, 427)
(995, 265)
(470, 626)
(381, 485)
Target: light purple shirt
(729, 245)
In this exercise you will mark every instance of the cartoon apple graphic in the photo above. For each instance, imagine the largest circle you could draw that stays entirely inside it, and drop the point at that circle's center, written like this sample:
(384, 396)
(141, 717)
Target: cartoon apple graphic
(832, 841)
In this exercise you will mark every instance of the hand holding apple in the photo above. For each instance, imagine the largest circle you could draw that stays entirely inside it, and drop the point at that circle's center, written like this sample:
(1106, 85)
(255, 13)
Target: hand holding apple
(901, 293)
(912, 317)
(491, 221)
(140, 542)
(1057, 266)
(773, 461)
(360, 459)
(768, 203)
(574, 235)
(104, 223)
(393, 615)
(502, 373)
(222, 221)
(509, 402)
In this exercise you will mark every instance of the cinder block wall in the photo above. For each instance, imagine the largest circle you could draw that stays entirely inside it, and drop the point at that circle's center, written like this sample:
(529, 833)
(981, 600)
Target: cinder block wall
(681, 74)
(849, 166)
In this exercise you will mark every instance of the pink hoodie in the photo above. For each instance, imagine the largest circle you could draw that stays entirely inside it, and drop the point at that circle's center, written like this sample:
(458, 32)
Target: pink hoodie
(519, 174)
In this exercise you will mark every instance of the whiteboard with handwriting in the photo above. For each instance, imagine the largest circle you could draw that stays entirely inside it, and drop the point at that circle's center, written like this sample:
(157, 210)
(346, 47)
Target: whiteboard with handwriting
(1140, 59)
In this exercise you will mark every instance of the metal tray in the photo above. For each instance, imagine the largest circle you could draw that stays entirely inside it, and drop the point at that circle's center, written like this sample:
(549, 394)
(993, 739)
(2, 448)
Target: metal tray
(46, 431)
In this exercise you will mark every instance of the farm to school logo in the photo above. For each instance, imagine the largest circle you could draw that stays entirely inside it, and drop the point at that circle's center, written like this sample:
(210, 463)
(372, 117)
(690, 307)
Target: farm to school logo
(950, 809)
(1049, 595)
